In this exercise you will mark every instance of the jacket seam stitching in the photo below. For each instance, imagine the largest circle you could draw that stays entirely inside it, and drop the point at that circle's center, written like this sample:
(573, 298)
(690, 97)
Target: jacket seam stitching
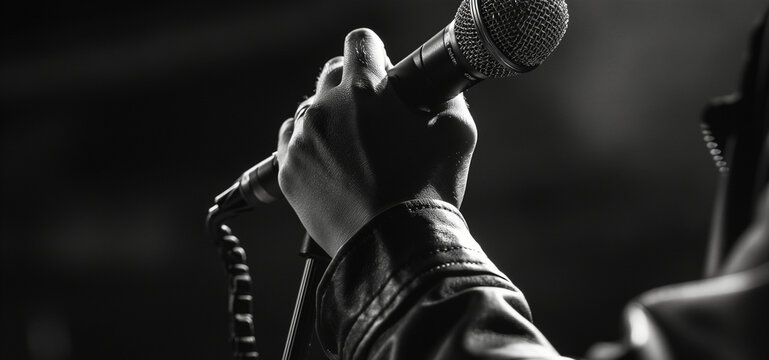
(412, 208)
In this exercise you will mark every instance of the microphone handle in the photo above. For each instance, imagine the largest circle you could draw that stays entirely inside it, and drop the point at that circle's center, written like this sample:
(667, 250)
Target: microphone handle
(434, 73)
(259, 184)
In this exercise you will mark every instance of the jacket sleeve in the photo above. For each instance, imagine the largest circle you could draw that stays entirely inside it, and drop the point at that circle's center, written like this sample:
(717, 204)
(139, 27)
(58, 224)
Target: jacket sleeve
(413, 284)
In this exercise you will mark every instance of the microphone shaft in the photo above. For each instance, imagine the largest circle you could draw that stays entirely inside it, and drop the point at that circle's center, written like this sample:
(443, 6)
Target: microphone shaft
(434, 73)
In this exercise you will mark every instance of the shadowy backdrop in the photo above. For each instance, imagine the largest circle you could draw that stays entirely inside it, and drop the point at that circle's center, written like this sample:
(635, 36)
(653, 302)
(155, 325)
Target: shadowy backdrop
(122, 120)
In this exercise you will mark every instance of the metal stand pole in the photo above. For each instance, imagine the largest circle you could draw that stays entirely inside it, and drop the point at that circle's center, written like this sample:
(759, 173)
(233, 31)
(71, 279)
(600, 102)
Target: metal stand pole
(302, 326)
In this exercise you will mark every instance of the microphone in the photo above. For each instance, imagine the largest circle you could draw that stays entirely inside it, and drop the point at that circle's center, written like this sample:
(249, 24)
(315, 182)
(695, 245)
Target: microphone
(486, 39)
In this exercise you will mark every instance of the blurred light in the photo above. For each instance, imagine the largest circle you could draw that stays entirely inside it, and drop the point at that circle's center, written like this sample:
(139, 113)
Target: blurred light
(639, 326)
(48, 337)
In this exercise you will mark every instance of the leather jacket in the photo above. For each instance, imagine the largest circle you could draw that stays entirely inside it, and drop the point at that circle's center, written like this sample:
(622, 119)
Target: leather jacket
(414, 284)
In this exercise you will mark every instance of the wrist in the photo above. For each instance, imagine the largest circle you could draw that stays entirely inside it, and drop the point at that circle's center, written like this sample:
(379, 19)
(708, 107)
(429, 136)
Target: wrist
(387, 216)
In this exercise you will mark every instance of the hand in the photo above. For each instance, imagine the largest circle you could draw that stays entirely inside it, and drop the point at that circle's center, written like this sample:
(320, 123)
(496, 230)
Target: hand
(354, 149)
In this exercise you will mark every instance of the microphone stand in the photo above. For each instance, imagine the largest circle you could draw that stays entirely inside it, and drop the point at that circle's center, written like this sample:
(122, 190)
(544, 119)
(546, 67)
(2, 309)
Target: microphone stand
(240, 304)
(302, 321)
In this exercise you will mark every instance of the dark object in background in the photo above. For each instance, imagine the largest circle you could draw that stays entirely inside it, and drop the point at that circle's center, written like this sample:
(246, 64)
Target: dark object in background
(725, 315)
(738, 124)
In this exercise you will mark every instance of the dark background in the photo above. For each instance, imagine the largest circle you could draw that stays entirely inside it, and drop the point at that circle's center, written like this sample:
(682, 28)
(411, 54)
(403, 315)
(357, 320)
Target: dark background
(122, 120)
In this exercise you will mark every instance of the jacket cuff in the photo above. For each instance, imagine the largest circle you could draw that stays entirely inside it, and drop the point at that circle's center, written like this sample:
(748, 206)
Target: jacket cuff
(389, 264)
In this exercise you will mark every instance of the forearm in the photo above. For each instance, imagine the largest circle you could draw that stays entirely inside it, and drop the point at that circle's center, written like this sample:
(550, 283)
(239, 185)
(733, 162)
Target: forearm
(414, 284)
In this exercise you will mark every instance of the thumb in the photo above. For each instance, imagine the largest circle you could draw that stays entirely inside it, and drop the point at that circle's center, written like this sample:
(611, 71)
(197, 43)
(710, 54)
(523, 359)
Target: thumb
(365, 58)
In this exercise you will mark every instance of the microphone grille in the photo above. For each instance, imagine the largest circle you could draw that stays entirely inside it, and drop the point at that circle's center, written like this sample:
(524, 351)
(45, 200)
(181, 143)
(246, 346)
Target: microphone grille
(524, 31)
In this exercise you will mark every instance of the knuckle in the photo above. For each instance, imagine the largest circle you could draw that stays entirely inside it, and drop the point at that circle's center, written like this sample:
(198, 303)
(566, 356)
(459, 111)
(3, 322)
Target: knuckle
(458, 131)
(315, 111)
(331, 76)
(289, 171)
(302, 147)
(361, 55)
(285, 182)
(303, 106)
(333, 62)
(286, 126)
(314, 118)
(285, 171)
(331, 72)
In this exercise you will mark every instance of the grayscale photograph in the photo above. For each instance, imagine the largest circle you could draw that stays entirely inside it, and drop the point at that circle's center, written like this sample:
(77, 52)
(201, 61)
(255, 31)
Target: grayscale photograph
(385, 180)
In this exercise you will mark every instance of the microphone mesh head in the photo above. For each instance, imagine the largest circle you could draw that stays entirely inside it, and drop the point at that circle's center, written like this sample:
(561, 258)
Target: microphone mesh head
(525, 31)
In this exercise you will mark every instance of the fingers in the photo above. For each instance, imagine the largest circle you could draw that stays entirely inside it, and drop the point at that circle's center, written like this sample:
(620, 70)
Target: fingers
(331, 75)
(292, 126)
(284, 137)
(365, 59)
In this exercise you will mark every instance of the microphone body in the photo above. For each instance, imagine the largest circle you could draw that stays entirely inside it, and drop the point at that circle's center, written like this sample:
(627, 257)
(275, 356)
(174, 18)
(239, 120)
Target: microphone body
(434, 73)
(486, 39)
(258, 185)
